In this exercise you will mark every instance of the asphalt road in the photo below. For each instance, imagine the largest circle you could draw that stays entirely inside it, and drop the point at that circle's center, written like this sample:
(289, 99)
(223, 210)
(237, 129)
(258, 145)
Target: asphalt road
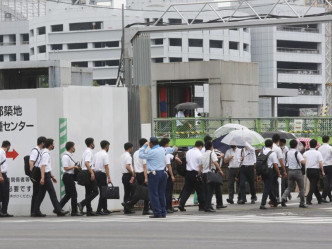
(237, 226)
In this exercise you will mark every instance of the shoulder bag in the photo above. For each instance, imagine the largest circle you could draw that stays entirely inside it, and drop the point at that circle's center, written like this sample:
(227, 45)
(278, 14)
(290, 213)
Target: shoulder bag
(212, 176)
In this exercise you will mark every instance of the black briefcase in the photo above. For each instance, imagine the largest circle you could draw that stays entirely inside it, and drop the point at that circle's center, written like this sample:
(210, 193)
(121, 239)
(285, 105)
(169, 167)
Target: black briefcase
(141, 192)
(35, 175)
(215, 178)
(83, 178)
(110, 192)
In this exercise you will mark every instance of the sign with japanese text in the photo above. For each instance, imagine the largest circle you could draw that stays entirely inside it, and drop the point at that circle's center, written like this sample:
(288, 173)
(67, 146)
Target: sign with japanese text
(18, 124)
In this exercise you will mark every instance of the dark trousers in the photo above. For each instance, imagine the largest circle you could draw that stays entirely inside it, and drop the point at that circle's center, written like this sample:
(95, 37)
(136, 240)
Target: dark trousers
(232, 174)
(327, 182)
(35, 191)
(91, 192)
(218, 193)
(247, 174)
(127, 186)
(71, 193)
(313, 176)
(209, 189)
(47, 187)
(169, 193)
(101, 179)
(268, 188)
(140, 180)
(4, 193)
(191, 184)
(284, 183)
(157, 192)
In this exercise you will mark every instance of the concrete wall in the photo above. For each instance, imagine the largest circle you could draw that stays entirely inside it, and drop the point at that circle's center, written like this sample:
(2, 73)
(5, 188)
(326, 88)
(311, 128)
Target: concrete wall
(233, 86)
(90, 112)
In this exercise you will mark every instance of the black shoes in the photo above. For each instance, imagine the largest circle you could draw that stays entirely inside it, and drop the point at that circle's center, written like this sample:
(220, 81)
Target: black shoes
(6, 215)
(129, 212)
(262, 207)
(76, 214)
(101, 213)
(91, 214)
(181, 208)
(230, 201)
(170, 211)
(38, 215)
(309, 203)
(324, 200)
(80, 207)
(156, 217)
(283, 203)
(209, 210)
(221, 206)
(303, 206)
(107, 211)
(147, 213)
(62, 213)
(241, 202)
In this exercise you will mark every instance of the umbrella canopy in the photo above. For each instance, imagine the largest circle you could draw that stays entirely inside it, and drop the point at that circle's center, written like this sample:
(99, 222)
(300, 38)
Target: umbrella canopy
(282, 134)
(227, 128)
(187, 106)
(242, 137)
(217, 144)
(307, 142)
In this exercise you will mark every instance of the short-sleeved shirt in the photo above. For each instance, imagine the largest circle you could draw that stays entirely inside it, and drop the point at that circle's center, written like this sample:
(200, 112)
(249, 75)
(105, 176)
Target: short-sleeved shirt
(207, 160)
(46, 160)
(138, 163)
(35, 155)
(192, 157)
(101, 159)
(249, 155)
(3, 160)
(68, 161)
(284, 150)
(124, 161)
(87, 157)
(278, 152)
(168, 160)
(272, 157)
(292, 163)
(326, 151)
(313, 157)
(236, 161)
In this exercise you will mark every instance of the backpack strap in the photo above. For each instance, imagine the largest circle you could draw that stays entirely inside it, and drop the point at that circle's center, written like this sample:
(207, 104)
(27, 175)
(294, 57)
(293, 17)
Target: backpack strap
(70, 158)
(37, 156)
(3, 162)
(297, 160)
(286, 154)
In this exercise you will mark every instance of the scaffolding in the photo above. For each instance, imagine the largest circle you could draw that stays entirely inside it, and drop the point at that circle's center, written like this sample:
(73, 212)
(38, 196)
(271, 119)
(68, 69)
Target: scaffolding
(19, 10)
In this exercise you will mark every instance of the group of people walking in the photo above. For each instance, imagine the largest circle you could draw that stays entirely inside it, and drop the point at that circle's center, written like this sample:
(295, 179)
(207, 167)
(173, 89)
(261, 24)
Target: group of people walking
(152, 167)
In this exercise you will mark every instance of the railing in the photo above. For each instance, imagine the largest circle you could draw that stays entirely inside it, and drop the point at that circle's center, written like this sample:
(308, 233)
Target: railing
(297, 50)
(297, 29)
(21, 10)
(185, 131)
(7, 43)
(298, 71)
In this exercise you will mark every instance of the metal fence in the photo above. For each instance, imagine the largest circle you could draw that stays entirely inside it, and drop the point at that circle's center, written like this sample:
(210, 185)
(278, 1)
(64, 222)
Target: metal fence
(185, 131)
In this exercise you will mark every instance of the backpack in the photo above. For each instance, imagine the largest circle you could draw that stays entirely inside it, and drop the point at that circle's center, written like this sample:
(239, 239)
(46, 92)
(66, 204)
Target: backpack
(181, 169)
(27, 163)
(262, 168)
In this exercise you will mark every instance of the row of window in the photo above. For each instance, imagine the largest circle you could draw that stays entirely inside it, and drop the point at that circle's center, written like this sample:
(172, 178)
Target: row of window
(71, 46)
(11, 39)
(12, 57)
(107, 63)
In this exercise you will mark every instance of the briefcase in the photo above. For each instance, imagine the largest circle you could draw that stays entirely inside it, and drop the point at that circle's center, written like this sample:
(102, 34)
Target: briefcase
(213, 177)
(35, 175)
(83, 178)
(110, 192)
(141, 192)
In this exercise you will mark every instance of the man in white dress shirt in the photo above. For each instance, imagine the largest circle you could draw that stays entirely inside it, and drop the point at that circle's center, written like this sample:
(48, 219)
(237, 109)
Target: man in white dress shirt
(4, 180)
(326, 151)
(233, 158)
(281, 164)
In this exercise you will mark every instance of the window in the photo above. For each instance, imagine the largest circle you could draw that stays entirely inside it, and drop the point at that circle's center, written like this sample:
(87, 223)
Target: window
(1, 57)
(41, 30)
(109, 63)
(85, 26)
(176, 42)
(110, 44)
(77, 46)
(79, 64)
(216, 44)
(158, 60)
(24, 38)
(196, 43)
(31, 32)
(147, 20)
(245, 30)
(246, 47)
(234, 45)
(25, 57)
(175, 59)
(1, 40)
(12, 39)
(12, 57)
(234, 29)
(157, 41)
(106, 82)
(56, 47)
(160, 23)
(42, 49)
(57, 28)
(195, 59)
(196, 21)
(174, 21)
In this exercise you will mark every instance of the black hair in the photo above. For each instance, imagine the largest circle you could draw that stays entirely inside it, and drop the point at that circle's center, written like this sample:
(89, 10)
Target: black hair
(5, 144)
(41, 140)
(128, 146)
(142, 141)
(199, 143)
(164, 141)
(325, 139)
(48, 142)
(69, 145)
(89, 141)
(233, 146)
(268, 143)
(208, 145)
(293, 143)
(154, 143)
(282, 140)
(313, 143)
(275, 138)
(104, 144)
(207, 138)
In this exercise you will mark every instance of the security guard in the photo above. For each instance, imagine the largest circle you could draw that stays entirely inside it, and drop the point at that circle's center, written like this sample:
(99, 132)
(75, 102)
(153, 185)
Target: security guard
(4, 180)
(69, 166)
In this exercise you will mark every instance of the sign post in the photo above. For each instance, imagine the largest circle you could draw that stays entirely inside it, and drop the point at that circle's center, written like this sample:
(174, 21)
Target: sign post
(62, 149)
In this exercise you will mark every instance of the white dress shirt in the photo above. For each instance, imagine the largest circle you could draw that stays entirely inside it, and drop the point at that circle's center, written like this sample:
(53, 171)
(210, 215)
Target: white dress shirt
(249, 155)
(313, 157)
(192, 158)
(3, 160)
(272, 157)
(326, 151)
(284, 150)
(138, 163)
(101, 159)
(207, 160)
(68, 161)
(87, 157)
(46, 160)
(35, 155)
(168, 160)
(126, 159)
(292, 163)
(278, 152)
(236, 161)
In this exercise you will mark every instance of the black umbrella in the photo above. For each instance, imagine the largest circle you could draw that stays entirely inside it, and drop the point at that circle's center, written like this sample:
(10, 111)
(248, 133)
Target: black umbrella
(282, 134)
(187, 106)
